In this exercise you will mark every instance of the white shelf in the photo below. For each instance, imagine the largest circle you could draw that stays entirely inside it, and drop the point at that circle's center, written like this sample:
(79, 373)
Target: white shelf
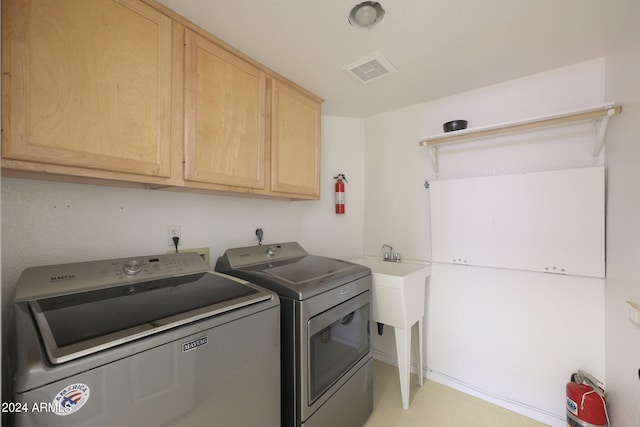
(601, 113)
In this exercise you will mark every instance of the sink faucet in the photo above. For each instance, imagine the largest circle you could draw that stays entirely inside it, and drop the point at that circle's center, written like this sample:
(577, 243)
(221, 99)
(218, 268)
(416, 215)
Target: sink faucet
(386, 255)
(389, 255)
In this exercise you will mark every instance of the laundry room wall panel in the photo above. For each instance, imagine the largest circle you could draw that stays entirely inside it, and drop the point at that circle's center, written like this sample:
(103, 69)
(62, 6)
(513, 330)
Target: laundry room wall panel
(494, 310)
(397, 168)
(323, 231)
(398, 213)
(623, 228)
(49, 222)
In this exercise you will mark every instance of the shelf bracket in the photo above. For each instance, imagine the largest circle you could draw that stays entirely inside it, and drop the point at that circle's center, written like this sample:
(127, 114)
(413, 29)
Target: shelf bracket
(433, 152)
(602, 130)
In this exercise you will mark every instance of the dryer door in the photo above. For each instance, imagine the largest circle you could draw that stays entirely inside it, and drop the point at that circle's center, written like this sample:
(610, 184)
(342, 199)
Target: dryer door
(339, 343)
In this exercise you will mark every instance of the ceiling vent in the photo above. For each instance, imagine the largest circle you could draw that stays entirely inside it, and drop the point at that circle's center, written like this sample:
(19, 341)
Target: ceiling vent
(371, 67)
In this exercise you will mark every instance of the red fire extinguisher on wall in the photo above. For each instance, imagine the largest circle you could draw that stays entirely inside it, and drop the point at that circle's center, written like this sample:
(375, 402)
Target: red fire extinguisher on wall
(340, 180)
(586, 405)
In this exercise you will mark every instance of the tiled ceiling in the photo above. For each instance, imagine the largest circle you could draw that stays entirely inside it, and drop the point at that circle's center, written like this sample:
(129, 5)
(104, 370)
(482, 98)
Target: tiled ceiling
(439, 47)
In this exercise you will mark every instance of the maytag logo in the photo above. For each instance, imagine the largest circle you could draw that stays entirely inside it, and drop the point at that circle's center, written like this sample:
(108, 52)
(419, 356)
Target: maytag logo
(192, 345)
(63, 277)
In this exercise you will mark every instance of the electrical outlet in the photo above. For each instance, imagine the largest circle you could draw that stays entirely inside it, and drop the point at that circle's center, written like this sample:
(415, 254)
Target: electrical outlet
(633, 312)
(174, 231)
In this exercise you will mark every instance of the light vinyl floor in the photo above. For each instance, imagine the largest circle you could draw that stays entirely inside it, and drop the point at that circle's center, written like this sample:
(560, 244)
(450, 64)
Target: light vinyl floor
(434, 405)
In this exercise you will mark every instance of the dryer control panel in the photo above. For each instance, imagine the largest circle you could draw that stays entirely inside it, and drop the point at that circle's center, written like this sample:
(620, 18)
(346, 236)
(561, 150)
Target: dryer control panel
(251, 255)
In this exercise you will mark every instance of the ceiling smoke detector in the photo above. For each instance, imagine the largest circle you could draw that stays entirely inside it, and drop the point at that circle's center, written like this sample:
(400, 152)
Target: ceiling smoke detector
(371, 67)
(366, 14)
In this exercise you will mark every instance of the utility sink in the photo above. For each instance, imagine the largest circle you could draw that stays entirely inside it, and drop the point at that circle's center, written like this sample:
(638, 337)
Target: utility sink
(398, 291)
(397, 300)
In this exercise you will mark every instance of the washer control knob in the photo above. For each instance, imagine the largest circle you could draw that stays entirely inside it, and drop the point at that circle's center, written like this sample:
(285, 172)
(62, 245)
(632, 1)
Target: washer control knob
(132, 267)
(273, 250)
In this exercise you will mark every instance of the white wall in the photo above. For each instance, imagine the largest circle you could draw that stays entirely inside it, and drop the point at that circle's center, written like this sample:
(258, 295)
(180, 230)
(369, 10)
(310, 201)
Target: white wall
(498, 334)
(623, 229)
(324, 232)
(396, 167)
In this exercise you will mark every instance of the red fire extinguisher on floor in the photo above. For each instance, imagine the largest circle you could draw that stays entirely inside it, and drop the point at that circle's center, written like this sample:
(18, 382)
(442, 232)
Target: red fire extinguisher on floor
(340, 192)
(586, 405)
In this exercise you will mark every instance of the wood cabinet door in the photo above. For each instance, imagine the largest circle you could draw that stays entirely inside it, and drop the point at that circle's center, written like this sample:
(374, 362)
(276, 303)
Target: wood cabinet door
(295, 142)
(225, 104)
(87, 84)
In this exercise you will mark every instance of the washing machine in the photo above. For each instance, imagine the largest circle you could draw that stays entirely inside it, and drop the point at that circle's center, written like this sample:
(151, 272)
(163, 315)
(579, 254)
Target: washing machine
(143, 341)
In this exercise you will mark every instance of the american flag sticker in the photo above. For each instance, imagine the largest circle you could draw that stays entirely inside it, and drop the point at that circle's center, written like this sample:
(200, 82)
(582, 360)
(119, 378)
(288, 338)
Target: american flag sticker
(70, 399)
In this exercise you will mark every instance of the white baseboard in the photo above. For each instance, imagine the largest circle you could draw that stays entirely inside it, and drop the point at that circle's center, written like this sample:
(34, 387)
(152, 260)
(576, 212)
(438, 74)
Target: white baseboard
(537, 414)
